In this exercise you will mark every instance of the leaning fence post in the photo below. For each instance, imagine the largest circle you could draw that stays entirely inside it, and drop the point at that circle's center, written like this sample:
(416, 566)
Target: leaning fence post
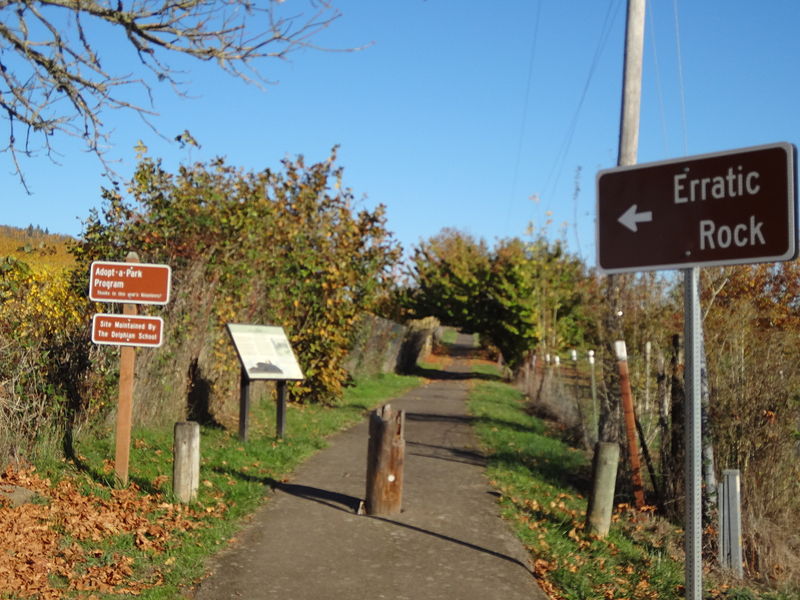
(186, 461)
(385, 458)
(601, 502)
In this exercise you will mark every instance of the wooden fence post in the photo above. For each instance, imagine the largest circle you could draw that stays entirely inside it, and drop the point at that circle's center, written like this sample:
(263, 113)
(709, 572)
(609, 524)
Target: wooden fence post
(385, 457)
(601, 502)
(186, 461)
(630, 423)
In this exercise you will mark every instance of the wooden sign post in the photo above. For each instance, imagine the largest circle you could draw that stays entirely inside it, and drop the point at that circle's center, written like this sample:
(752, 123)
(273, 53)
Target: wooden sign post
(280, 421)
(244, 405)
(130, 283)
(127, 366)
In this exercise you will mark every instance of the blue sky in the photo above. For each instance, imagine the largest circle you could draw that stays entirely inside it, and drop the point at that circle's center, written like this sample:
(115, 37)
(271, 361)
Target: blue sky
(475, 115)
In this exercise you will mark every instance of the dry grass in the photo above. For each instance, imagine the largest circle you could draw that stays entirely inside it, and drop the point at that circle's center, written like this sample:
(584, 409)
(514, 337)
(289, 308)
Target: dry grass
(36, 247)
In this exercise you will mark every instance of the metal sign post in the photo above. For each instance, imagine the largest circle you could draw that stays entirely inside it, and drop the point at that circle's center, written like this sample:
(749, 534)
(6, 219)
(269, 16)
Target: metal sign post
(693, 537)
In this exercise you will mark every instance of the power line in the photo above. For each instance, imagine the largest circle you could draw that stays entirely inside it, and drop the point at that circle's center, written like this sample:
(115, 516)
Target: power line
(524, 123)
(656, 67)
(680, 77)
(561, 156)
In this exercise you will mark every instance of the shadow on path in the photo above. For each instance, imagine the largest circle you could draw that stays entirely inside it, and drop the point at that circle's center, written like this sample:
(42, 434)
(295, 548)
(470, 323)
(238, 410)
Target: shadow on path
(351, 504)
(467, 457)
(453, 540)
(331, 499)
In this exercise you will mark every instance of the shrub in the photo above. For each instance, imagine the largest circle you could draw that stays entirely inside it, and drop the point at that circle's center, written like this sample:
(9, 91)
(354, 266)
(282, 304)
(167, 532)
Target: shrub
(282, 248)
(43, 355)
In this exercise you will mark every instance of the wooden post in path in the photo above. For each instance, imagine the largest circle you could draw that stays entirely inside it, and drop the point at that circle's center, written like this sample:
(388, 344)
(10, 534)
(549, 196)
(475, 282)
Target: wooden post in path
(630, 423)
(385, 457)
(127, 365)
(186, 461)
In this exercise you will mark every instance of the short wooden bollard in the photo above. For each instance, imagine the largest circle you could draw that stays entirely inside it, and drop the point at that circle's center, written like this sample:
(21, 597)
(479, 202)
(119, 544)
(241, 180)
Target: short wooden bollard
(385, 457)
(601, 503)
(186, 461)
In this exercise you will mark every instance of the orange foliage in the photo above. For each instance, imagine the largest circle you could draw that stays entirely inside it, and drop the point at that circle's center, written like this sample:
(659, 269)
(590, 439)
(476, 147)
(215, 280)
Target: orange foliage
(52, 544)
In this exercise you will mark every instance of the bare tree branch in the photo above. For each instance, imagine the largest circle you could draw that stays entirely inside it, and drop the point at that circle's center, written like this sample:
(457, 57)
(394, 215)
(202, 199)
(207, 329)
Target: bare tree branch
(53, 83)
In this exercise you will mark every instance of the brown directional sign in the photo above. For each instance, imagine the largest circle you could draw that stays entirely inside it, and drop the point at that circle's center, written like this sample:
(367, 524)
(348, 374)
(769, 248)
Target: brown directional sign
(716, 209)
(127, 330)
(125, 282)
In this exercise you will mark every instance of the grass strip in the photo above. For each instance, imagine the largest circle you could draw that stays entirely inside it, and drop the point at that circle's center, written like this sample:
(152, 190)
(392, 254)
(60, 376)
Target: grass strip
(160, 562)
(543, 485)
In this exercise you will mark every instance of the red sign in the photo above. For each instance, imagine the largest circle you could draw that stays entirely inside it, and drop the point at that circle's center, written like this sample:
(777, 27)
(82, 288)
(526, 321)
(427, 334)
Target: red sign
(122, 330)
(132, 283)
(726, 208)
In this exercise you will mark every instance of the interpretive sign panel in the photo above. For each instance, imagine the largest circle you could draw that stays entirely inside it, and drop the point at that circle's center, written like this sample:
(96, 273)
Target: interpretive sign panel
(127, 330)
(133, 283)
(716, 209)
(265, 352)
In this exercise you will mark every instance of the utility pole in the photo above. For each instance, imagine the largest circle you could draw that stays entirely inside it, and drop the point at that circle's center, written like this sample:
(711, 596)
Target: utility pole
(631, 84)
(628, 148)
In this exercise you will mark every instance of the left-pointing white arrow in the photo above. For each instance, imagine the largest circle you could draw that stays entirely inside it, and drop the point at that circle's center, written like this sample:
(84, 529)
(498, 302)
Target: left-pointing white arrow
(631, 219)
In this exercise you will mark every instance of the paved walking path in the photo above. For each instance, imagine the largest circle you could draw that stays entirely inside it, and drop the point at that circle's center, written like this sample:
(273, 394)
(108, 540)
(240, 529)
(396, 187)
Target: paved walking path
(449, 542)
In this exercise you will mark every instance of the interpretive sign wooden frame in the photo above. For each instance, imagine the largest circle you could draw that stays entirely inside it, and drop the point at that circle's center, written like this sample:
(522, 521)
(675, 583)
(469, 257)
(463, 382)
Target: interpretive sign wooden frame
(266, 354)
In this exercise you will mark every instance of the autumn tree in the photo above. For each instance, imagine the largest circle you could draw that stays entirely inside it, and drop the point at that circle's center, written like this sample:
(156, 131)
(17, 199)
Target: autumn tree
(59, 77)
(752, 319)
(450, 271)
(515, 295)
